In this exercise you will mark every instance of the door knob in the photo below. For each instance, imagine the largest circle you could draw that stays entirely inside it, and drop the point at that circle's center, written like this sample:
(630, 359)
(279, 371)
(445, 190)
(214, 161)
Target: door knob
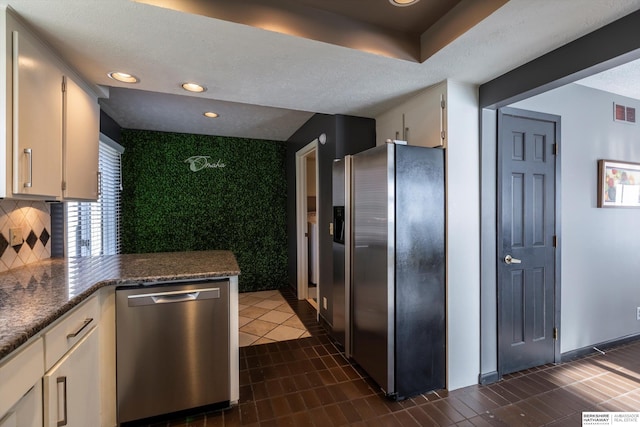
(511, 260)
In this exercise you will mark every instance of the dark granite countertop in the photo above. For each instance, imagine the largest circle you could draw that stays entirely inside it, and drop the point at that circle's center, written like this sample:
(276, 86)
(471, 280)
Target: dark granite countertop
(34, 296)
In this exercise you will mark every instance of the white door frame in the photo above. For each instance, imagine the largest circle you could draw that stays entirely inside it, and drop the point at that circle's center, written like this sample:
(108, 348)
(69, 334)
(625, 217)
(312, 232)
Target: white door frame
(302, 266)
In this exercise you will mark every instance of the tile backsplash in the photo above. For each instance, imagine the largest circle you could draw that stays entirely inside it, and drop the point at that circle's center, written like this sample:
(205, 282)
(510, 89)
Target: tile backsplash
(34, 220)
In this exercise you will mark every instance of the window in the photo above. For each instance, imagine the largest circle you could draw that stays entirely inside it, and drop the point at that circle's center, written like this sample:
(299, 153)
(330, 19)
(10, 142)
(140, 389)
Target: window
(93, 228)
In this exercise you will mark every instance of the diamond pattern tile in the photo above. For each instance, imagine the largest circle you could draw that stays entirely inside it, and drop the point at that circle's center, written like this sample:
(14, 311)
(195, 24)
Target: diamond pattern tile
(44, 237)
(262, 317)
(31, 239)
(8, 257)
(34, 219)
(3, 244)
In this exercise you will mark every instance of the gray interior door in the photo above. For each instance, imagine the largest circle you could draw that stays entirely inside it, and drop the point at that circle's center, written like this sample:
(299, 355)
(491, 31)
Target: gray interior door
(526, 231)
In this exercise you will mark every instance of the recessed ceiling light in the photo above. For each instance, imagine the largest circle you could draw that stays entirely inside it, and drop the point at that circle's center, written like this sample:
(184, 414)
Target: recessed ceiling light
(402, 3)
(193, 87)
(211, 114)
(123, 77)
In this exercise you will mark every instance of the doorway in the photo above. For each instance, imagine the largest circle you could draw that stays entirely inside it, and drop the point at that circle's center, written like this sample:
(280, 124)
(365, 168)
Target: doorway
(307, 201)
(527, 261)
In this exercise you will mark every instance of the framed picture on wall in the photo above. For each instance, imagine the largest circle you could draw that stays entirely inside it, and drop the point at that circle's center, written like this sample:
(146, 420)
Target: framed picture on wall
(618, 184)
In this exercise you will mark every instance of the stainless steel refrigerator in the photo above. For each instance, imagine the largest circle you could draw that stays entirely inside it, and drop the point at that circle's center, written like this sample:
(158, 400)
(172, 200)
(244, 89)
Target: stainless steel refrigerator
(340, 292)
(396, 313)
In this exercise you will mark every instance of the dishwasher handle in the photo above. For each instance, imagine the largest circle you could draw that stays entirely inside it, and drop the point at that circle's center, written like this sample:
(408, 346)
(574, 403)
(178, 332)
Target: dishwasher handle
(168, 299)
(171, 297)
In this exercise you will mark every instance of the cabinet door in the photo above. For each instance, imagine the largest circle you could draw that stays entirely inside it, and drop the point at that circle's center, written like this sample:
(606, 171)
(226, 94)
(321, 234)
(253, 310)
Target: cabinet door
(9, 420)
(425, 118)
(72, 387)
(28, 411)
(19, 373)
(390, 125)
(81, 135)
(37, 119)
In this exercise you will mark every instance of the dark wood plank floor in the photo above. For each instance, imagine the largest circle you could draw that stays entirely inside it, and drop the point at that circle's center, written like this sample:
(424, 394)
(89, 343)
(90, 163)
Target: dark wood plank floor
(307, 382)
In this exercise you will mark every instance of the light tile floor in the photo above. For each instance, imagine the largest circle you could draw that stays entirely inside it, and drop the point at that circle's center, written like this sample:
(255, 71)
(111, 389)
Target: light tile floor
(265, 317)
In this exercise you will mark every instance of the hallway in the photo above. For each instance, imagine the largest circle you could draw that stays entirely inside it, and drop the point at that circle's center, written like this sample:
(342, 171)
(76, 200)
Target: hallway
(306, 382)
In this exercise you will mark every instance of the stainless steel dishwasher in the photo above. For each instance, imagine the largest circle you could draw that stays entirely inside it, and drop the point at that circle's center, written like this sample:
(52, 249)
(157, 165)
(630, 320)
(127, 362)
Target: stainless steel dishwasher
(172, 349)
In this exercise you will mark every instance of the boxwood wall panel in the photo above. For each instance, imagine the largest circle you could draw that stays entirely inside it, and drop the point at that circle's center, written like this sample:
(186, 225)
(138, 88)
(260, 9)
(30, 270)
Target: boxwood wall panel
(195, 192)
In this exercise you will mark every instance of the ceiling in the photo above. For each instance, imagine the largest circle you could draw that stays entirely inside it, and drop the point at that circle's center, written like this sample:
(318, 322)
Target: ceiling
(622, 80)
(355, 57)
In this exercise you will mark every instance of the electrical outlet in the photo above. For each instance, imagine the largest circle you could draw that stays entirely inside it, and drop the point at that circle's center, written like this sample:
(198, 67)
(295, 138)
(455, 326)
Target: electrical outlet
(637, 313)
(324, 303)
(15, 236)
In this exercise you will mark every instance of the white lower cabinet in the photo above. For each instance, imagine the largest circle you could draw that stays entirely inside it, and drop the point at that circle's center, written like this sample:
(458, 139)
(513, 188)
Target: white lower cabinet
(21, 386)
(10, 420)
(72, 386)
(28, 411)
(66, 375)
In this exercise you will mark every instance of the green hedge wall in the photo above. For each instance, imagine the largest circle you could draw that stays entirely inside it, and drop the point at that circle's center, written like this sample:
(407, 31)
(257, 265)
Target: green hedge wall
(236, 203)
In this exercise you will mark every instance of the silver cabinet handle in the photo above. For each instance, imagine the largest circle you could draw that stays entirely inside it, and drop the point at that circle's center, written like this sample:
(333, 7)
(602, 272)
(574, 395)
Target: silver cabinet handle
(63, 381)
(29, 153)
(84, 325)
(511, 260)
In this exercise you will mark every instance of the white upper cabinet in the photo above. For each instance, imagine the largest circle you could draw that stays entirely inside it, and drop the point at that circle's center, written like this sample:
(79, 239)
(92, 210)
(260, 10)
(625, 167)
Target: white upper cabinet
(80, 147)
(390, 125)
(52, 120)
(37, 119)
(421, 120)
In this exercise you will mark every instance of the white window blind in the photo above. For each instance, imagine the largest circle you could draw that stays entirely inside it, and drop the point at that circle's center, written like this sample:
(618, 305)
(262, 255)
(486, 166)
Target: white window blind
(93, 228)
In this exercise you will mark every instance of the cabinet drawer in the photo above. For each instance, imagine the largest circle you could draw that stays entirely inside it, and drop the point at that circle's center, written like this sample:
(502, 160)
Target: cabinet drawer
(20, 373)
(69, 330)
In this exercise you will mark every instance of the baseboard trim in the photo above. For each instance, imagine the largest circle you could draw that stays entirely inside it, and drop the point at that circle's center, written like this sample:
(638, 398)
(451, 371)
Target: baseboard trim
(489, 378)
(606, 345)
(325, 324)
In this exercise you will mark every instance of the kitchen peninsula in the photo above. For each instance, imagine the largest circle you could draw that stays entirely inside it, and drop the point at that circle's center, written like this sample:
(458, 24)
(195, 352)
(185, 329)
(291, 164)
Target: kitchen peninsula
(37, 298)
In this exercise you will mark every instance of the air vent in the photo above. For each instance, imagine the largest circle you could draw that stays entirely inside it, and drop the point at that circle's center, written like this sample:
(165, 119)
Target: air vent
(624, 114)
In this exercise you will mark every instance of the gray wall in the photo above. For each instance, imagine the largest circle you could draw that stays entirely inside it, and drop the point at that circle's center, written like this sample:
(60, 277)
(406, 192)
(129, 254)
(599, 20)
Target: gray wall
(319, 123)
(600, 247)
(109, 127)
(345, 135)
